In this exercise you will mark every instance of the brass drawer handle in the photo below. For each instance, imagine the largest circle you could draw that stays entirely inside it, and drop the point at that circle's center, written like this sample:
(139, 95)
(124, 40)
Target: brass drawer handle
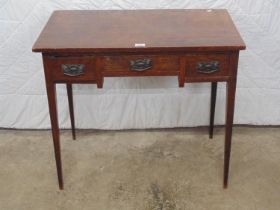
(73, 69)
(140, 65)
(208, 67)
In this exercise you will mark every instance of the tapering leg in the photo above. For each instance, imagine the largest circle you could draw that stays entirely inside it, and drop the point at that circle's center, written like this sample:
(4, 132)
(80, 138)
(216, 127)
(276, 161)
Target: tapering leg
(231, 86)
(71, 108)
(51, 91)
(212, 108)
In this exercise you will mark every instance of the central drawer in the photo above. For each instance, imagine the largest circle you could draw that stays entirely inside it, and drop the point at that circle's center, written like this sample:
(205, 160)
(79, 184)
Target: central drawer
(140, 65)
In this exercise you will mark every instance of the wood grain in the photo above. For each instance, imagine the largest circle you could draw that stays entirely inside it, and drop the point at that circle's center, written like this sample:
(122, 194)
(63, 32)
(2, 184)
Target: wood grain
(119, 30)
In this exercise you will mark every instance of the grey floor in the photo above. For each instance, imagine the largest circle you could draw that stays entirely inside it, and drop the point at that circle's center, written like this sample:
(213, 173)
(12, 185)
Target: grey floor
(168, 169)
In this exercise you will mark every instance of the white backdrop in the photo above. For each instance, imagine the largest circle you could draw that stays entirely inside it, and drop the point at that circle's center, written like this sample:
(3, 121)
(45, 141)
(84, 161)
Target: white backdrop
(138, 102)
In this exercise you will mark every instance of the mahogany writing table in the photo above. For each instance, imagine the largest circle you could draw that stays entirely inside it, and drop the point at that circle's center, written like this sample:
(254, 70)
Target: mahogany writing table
(86, 46)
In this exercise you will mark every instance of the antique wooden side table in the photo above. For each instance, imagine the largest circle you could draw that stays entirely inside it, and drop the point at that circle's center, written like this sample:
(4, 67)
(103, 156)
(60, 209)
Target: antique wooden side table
(86, 46)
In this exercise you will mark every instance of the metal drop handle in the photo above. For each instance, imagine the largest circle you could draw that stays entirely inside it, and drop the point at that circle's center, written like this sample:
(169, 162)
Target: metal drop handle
(73, 69)
(140, 65)
(208, 67)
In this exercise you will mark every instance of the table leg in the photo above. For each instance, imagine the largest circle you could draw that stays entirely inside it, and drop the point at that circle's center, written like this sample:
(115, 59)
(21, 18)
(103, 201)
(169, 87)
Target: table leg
(71, 108)
(51, 91)
(231, 86)
(212, 108)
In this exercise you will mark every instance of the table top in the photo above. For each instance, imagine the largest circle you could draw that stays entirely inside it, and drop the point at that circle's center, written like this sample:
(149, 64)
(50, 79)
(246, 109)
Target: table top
(139, 31)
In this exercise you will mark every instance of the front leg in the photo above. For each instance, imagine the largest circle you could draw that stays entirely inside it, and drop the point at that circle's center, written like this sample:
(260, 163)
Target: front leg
(231, 87)
(51, 92)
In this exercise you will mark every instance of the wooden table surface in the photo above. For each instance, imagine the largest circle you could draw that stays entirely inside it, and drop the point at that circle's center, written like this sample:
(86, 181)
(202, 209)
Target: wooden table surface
(106, 31)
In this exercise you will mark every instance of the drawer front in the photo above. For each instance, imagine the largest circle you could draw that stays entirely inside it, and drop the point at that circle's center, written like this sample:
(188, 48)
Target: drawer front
(207, 66)
(141, 65)
(73, 69)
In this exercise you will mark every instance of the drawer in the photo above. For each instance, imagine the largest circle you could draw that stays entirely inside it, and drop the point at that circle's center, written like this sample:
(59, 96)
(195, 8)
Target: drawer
(140, 65)
(207, 66)
(72, 69)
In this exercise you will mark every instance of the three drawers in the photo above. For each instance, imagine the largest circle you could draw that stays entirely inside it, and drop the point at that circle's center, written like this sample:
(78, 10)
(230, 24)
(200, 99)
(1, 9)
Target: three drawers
(192, 67)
